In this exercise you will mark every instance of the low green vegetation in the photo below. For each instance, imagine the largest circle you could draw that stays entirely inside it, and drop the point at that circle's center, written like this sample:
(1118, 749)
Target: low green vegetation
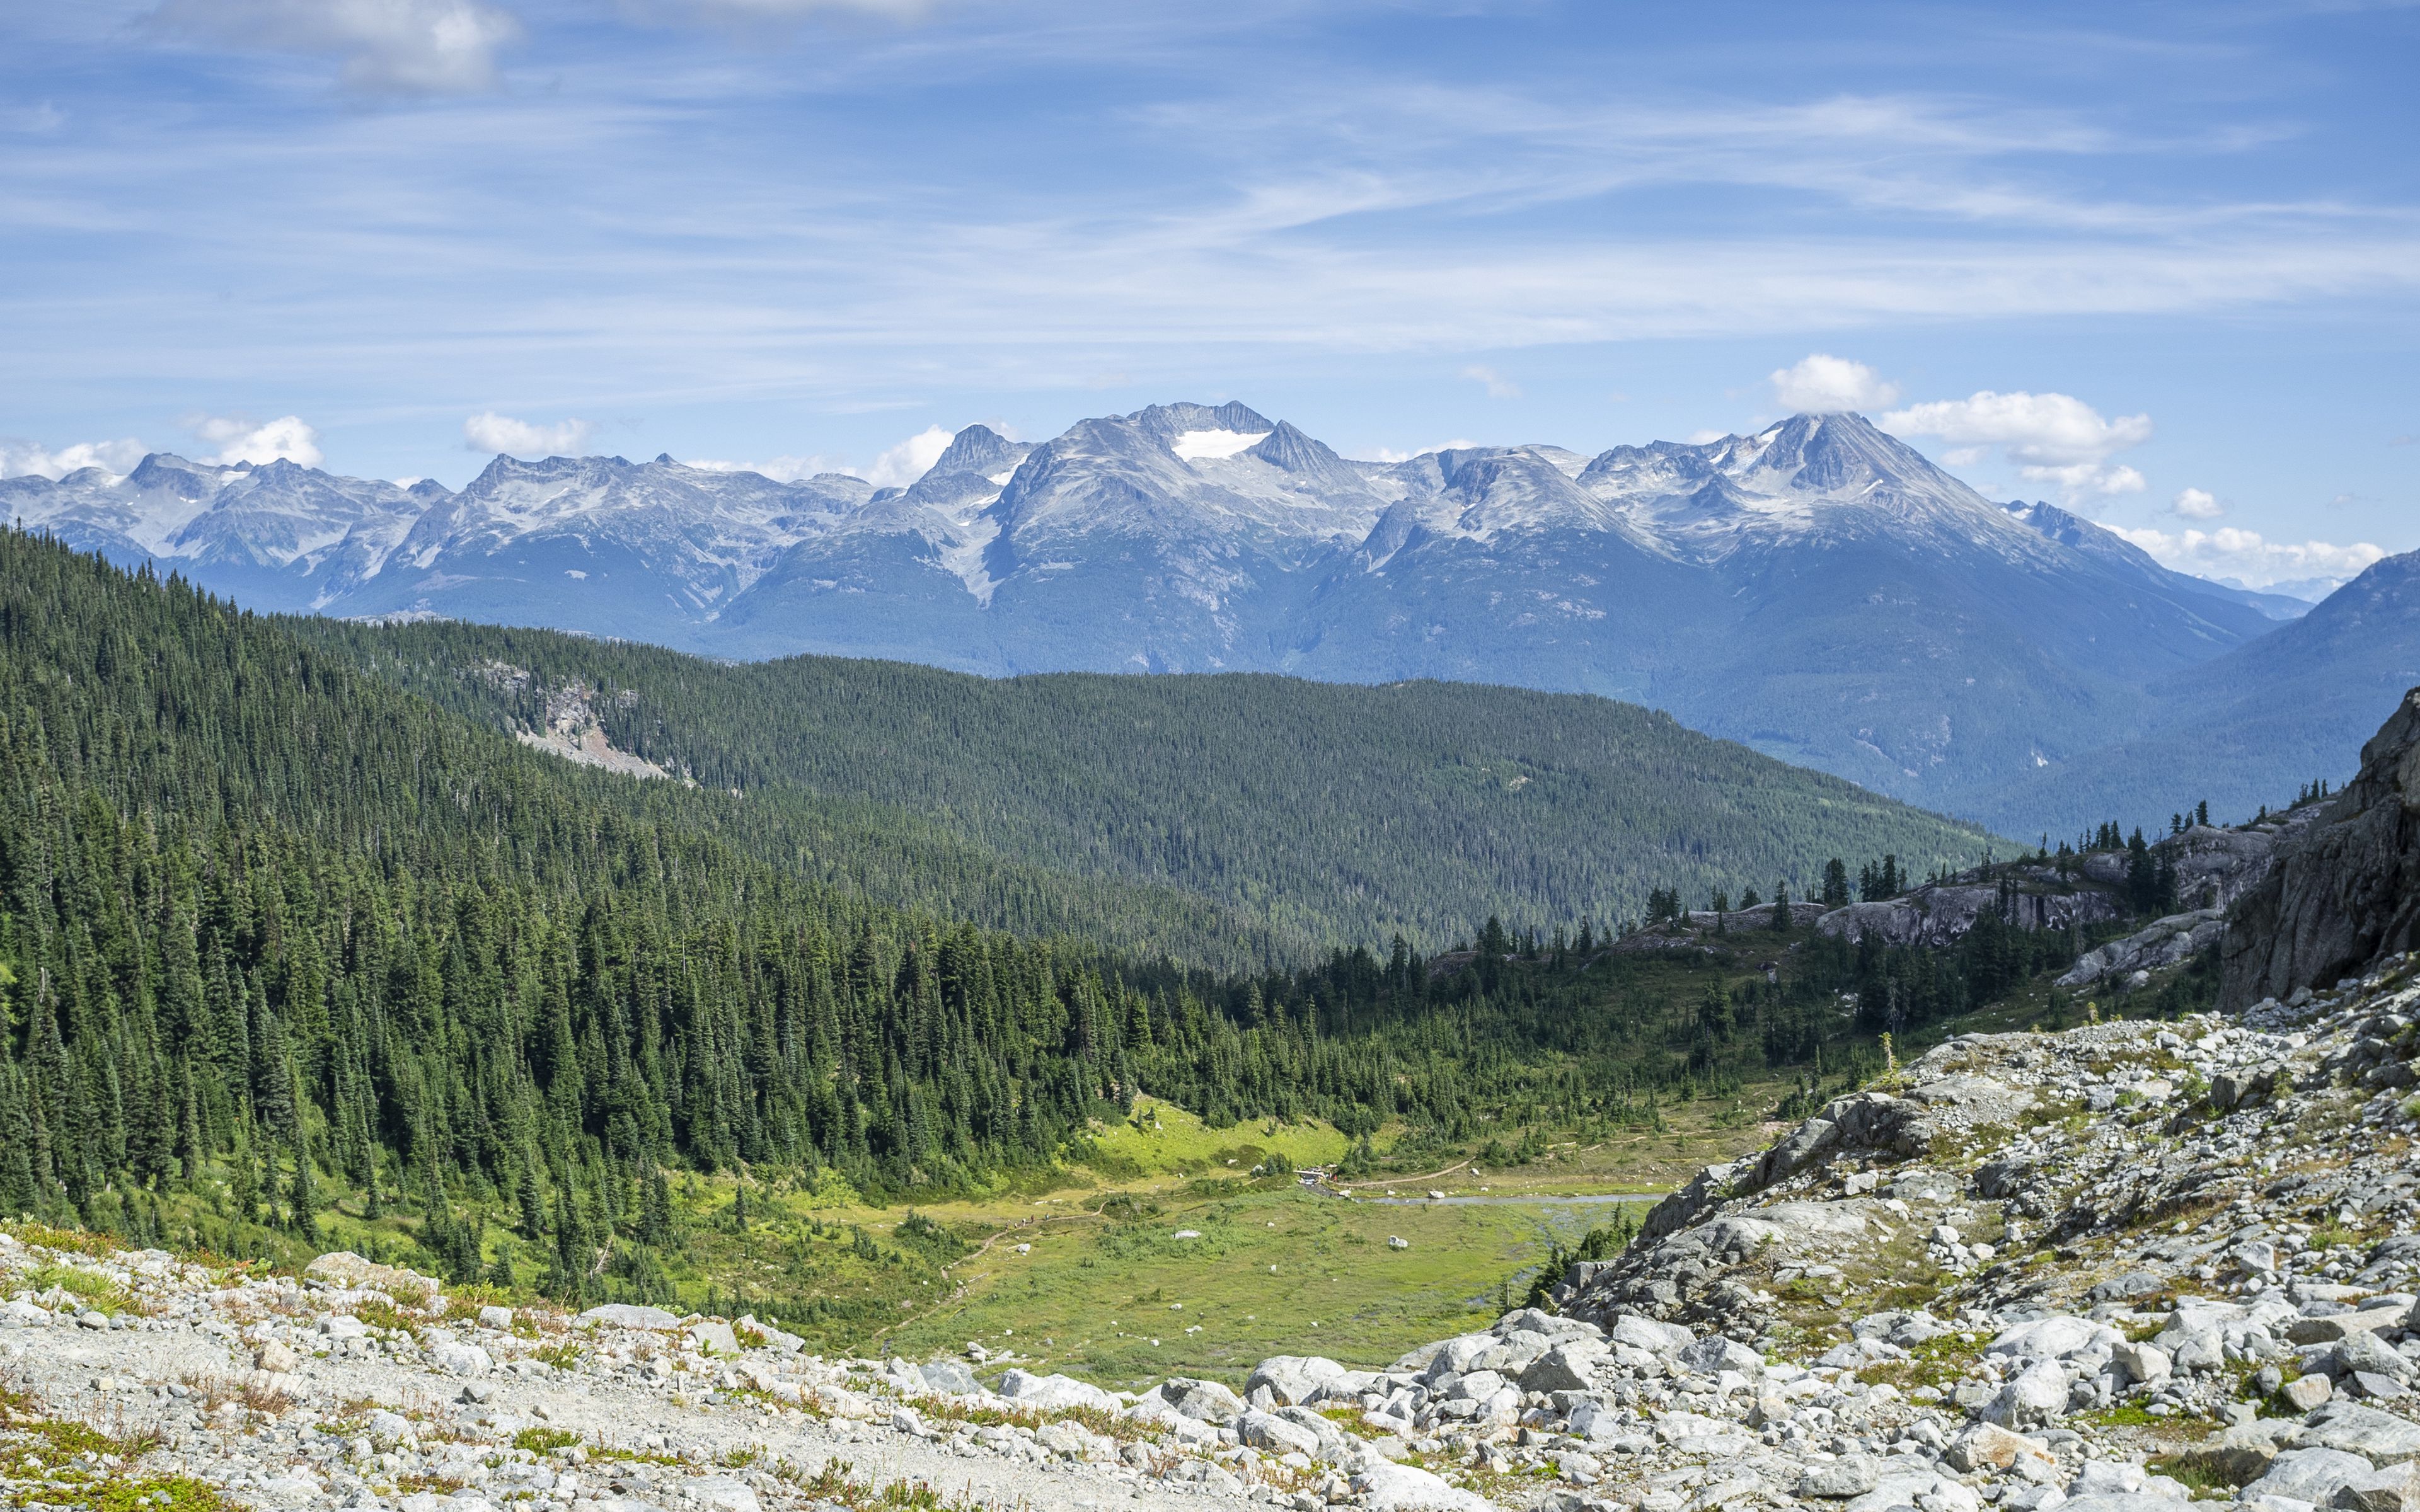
(62, 1463)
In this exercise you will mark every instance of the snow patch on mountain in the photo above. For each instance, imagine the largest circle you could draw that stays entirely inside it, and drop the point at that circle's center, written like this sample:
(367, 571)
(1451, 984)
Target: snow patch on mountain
(963, 557)
(1196, 445)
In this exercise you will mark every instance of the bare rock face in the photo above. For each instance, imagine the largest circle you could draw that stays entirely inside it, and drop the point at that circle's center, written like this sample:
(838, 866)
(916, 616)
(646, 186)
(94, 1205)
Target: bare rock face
(2347, 890)
(2214, 865)
(2164, 943)
(2040, 898)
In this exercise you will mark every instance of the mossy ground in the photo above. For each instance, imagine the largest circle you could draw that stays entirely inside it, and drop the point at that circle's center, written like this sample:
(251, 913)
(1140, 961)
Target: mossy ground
(60, 1463)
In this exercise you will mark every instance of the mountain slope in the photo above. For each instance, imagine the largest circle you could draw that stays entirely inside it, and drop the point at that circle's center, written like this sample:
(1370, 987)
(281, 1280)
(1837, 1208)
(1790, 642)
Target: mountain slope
(276, 932)
(1817, 591)
(1326, 815)
(2245, 729)
(2100, 541)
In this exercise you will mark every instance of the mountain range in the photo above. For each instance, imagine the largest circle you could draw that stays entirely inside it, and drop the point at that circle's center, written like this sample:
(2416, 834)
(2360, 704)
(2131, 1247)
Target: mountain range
(1819, 590)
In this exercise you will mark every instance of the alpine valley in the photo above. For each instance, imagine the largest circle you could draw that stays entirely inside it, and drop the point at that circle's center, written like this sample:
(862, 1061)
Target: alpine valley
(1817, 591)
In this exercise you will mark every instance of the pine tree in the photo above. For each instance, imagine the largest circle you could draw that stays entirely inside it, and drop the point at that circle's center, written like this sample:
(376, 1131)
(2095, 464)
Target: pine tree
(303, 1196)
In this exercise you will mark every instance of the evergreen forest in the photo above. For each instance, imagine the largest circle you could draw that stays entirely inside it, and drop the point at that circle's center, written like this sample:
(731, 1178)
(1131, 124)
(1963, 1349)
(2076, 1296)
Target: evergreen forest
(1241, 821)
(279, 933)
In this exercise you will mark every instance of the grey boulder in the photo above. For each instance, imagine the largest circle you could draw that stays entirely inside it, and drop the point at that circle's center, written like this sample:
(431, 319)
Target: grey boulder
(2381, 1437)
(1205, 1402)
(1848, 1475)
(1266, 1430)
(2312, 1476)
(950, 1377)
(1565, 1367)
(2393, 1488)
(1292, 1378)
(1715, 1353)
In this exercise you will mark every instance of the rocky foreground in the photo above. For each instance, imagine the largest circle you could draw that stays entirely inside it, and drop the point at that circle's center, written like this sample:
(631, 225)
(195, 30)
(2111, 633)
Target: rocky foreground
(2110, 1268)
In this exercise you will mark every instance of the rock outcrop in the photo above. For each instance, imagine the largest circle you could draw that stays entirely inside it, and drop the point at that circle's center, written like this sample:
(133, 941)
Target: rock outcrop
(2162, 943)
(2032, 896)
(2345, 890)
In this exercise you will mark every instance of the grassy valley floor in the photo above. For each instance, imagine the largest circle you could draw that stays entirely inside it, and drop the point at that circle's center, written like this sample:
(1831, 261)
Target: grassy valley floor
(1160, 1245)
(1187, 1262)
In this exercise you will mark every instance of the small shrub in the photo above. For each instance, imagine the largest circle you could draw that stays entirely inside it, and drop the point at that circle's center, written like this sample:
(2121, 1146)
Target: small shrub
(545, 1441)
(563, 1356)
(1940, 1363)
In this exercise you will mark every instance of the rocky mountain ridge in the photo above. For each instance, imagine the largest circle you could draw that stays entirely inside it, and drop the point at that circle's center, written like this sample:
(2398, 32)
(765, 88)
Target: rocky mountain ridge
(2208, 868)
(1818, 590)
(2348, 891)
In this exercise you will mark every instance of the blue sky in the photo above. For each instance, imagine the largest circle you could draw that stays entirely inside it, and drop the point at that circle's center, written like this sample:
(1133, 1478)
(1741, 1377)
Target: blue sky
(2161, 262)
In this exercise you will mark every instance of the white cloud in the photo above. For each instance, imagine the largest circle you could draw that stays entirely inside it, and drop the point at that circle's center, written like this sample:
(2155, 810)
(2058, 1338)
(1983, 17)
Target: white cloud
(2077, 480)
(2050, 429)
(21, 459)
(1498, 386)
(2245, 556)
(420, 47)
(489, 431)
(780, 469)
(2197, 503)
(911, 459)
(2053, 438)
(1821, 384)
(240, 439)
(1706, 438)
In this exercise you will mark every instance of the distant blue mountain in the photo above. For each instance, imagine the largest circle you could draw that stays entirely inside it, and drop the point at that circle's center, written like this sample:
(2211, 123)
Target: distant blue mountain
(2249, 727)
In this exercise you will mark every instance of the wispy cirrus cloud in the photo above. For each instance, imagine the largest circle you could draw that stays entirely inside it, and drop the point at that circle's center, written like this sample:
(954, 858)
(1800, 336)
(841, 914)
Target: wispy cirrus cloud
(433, 47)
(1496, 384)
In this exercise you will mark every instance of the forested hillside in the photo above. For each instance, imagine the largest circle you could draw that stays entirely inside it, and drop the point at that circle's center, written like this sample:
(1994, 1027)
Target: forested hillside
(1315, 814)
(281, 945)
(257, 910)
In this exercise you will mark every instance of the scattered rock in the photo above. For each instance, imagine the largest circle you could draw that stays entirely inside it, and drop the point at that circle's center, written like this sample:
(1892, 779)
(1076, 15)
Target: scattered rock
(626, 1315)
(1054, 1392)
(343, 1268)
(1385, 1488)
(1293, 1380)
